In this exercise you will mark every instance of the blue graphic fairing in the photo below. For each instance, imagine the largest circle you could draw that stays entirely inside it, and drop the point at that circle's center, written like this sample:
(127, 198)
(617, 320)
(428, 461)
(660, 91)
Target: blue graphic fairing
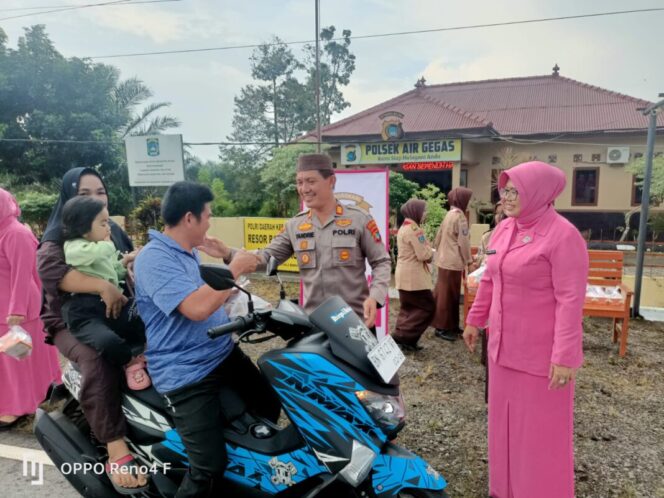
(392, 473)
(320, 400)
(271, 474)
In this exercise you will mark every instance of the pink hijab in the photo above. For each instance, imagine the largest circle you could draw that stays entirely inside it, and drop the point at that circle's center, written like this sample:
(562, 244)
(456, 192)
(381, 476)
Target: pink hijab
(8, 207)
(538, 185)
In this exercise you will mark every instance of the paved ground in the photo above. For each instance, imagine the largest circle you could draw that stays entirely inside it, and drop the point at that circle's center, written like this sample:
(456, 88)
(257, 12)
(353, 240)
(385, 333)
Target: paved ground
(13, 482)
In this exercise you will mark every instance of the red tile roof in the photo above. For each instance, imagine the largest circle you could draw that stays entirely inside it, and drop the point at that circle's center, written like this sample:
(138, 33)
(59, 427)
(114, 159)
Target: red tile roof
(515, 106)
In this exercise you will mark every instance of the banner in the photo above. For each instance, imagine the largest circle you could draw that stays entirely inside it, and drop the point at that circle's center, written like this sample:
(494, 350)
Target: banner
(154, 160)
(415, 151)
(259, 232)
(369, 191)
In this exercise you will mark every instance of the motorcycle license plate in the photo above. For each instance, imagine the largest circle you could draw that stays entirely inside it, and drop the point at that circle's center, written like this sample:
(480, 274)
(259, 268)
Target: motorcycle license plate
(386, 357)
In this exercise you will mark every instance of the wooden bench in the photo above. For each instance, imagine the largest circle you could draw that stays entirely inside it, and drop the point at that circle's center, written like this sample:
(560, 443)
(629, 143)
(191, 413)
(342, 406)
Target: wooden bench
(606, 269)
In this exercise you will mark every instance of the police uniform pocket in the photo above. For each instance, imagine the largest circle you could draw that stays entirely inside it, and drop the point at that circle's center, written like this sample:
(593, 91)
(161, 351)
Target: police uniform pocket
(344, 251)
(305, 253)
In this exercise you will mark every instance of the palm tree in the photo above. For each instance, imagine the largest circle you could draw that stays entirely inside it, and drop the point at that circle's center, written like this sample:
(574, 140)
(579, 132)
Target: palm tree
(128, 95)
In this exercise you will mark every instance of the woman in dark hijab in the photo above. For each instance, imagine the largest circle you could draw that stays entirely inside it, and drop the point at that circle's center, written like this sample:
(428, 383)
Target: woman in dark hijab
(453, 256)
(413, 277)
(100, 389)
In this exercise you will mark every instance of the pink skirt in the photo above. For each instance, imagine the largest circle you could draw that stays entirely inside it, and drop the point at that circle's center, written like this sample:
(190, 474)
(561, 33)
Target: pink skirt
(25, 382)
(531, 447)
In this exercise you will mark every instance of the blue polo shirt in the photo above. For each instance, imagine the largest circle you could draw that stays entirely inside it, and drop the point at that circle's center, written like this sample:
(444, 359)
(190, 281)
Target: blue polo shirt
(179, 352)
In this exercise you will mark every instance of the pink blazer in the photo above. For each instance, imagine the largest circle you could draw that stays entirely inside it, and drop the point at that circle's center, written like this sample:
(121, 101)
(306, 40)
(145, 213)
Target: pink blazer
(532, 295)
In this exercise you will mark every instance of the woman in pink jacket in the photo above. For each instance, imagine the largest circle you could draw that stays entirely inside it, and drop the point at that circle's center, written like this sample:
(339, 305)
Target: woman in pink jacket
(24, 382)
(532, 295)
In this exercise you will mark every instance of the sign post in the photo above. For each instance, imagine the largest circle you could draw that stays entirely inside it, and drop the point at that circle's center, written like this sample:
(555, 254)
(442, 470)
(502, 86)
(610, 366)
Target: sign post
(154, 160)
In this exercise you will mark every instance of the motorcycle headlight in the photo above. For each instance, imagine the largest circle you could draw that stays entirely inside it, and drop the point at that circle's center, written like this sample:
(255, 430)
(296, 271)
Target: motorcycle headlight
(388, 411)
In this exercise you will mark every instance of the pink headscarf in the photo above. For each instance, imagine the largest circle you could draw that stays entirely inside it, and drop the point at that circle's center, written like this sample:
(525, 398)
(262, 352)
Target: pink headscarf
(538, 185)
(8, 206)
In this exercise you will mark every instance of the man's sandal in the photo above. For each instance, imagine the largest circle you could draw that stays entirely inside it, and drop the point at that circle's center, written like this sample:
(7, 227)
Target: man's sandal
(129, 463)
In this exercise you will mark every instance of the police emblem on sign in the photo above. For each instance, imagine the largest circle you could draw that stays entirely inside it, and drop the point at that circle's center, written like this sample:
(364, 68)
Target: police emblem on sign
(392, 129)
(153, 147)
(283, 472)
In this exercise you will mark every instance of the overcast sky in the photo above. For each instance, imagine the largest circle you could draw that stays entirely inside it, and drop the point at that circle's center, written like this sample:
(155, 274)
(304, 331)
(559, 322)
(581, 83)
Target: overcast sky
(621, 53)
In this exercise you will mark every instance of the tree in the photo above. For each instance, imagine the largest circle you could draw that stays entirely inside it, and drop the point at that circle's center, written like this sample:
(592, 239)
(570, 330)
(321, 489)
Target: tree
(401, 190)
(434, 212)
(82, 106)
(280, 105)
(337, 64)
(638, 168)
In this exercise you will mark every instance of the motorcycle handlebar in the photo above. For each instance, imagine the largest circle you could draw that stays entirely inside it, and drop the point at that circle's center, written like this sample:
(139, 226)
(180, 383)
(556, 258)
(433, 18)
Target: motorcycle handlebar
(238, 324)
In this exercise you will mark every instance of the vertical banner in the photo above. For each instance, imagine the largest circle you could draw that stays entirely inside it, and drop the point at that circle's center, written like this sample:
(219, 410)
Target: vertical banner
(369, 191)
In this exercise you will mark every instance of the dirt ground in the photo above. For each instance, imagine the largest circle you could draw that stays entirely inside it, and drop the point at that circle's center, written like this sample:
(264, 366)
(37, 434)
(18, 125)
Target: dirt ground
(619, 415)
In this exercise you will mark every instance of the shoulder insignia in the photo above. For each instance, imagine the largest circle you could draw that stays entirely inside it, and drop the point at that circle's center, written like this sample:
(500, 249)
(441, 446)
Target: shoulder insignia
(373, 229)
(343, 222)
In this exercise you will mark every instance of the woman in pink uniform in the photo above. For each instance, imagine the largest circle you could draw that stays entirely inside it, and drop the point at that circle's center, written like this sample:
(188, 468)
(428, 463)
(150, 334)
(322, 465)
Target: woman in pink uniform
(24, 382)
(532, 295)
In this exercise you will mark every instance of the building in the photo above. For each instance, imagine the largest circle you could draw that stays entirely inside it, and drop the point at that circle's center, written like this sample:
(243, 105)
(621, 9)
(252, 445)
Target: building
(467, 133)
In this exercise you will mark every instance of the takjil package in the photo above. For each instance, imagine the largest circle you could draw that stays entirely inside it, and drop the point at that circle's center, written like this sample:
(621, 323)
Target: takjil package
(16, 343)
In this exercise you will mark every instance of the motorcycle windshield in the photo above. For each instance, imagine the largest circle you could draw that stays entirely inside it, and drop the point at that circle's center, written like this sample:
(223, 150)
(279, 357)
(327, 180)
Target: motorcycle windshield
(350, 339)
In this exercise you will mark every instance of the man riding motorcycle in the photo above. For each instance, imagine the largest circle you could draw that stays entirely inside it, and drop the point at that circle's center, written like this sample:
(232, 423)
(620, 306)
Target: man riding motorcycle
(187, 367)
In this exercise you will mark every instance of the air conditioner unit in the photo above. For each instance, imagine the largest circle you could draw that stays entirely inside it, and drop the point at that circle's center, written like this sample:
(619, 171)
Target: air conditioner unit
(617, 155)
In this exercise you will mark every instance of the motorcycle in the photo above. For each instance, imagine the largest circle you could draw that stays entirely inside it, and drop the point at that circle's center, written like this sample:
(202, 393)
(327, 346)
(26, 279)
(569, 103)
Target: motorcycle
(339, 390)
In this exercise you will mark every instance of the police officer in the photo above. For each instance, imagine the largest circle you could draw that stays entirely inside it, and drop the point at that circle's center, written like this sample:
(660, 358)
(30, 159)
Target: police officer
(331, 242)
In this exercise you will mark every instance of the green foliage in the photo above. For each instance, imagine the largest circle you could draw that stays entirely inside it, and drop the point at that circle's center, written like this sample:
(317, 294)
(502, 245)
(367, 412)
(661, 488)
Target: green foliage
(222, 205)
(145, 216)
(435, 212)
(638, 168)
(656, 222)
(36, 207)
(278, 181)
(45, 96)
(401, 190)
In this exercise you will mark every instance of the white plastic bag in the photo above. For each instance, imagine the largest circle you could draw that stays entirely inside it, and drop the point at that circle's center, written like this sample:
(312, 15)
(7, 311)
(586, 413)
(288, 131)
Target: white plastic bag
(473, 279)
(16, 343)
(238, 304)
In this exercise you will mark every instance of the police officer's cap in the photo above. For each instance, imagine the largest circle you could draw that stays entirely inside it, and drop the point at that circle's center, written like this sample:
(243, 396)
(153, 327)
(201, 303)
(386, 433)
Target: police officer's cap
(314, 162)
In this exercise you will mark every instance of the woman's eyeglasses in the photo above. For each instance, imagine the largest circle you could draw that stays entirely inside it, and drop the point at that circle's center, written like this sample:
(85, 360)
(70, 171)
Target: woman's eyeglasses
(510, 194)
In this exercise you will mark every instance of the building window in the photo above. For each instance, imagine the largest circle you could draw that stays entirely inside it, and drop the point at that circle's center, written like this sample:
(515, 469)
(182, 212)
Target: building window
(463, 180)
(637, 191)
(585, 186)
(495, 174)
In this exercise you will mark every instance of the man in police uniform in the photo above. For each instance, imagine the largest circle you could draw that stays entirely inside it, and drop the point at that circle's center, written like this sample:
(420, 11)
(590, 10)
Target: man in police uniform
(331, 242)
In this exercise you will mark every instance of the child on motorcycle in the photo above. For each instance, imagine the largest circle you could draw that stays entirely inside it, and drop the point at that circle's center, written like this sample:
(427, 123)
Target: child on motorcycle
(87, 247)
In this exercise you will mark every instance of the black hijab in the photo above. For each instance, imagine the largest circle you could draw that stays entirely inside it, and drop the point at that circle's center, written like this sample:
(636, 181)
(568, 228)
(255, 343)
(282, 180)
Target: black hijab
(69, 190)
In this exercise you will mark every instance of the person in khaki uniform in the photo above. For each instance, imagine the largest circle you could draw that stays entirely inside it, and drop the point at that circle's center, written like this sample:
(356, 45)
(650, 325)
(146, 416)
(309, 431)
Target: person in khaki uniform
(452, 245)
(413, 277)
(331, 242)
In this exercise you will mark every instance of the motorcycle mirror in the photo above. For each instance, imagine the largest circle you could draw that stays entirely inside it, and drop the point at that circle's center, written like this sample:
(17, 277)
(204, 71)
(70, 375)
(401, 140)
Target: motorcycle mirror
(272, 265)
(219, 277)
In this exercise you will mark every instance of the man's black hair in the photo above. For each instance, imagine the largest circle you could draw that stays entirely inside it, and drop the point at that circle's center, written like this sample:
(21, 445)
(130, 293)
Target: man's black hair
(78, 214)
(182, 198)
